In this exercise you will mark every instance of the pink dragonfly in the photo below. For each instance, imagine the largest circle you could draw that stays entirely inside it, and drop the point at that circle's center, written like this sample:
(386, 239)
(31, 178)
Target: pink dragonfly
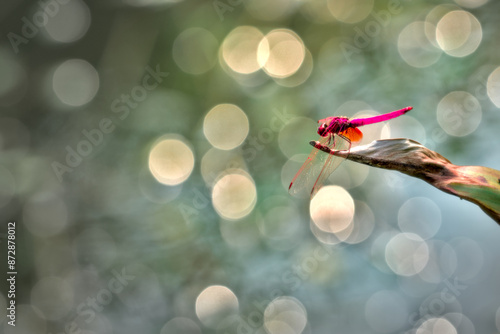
(337, 134)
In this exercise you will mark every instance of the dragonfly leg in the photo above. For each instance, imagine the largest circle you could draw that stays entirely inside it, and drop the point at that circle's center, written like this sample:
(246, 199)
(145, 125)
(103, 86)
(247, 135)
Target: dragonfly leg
(347, 140)
(326, 149)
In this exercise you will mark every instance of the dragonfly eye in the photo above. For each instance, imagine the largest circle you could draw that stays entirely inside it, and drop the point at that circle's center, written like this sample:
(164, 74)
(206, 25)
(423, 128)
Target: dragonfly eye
(322, 130)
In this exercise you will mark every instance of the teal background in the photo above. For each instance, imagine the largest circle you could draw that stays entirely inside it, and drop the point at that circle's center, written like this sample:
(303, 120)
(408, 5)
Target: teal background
(76, 230)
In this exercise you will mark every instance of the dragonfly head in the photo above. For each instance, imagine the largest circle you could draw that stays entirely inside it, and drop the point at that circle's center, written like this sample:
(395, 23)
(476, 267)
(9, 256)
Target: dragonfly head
(322, 130)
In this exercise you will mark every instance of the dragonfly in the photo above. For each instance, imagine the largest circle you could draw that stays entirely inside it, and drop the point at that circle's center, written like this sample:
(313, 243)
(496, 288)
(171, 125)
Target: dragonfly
(337, 133)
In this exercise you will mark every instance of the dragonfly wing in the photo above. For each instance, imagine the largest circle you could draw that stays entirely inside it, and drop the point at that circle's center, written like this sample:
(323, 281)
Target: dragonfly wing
(305, 178)
(339, 143)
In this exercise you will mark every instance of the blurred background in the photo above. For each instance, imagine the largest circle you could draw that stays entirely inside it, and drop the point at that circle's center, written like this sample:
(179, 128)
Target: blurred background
(147, 147)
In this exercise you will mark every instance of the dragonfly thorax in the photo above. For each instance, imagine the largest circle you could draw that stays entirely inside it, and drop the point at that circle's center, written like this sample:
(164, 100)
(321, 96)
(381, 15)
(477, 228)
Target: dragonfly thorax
(333, 125)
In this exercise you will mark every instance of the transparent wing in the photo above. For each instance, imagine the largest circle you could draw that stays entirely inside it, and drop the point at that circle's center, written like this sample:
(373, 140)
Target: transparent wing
(318, 166)
(305, 178)
(339, 143)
